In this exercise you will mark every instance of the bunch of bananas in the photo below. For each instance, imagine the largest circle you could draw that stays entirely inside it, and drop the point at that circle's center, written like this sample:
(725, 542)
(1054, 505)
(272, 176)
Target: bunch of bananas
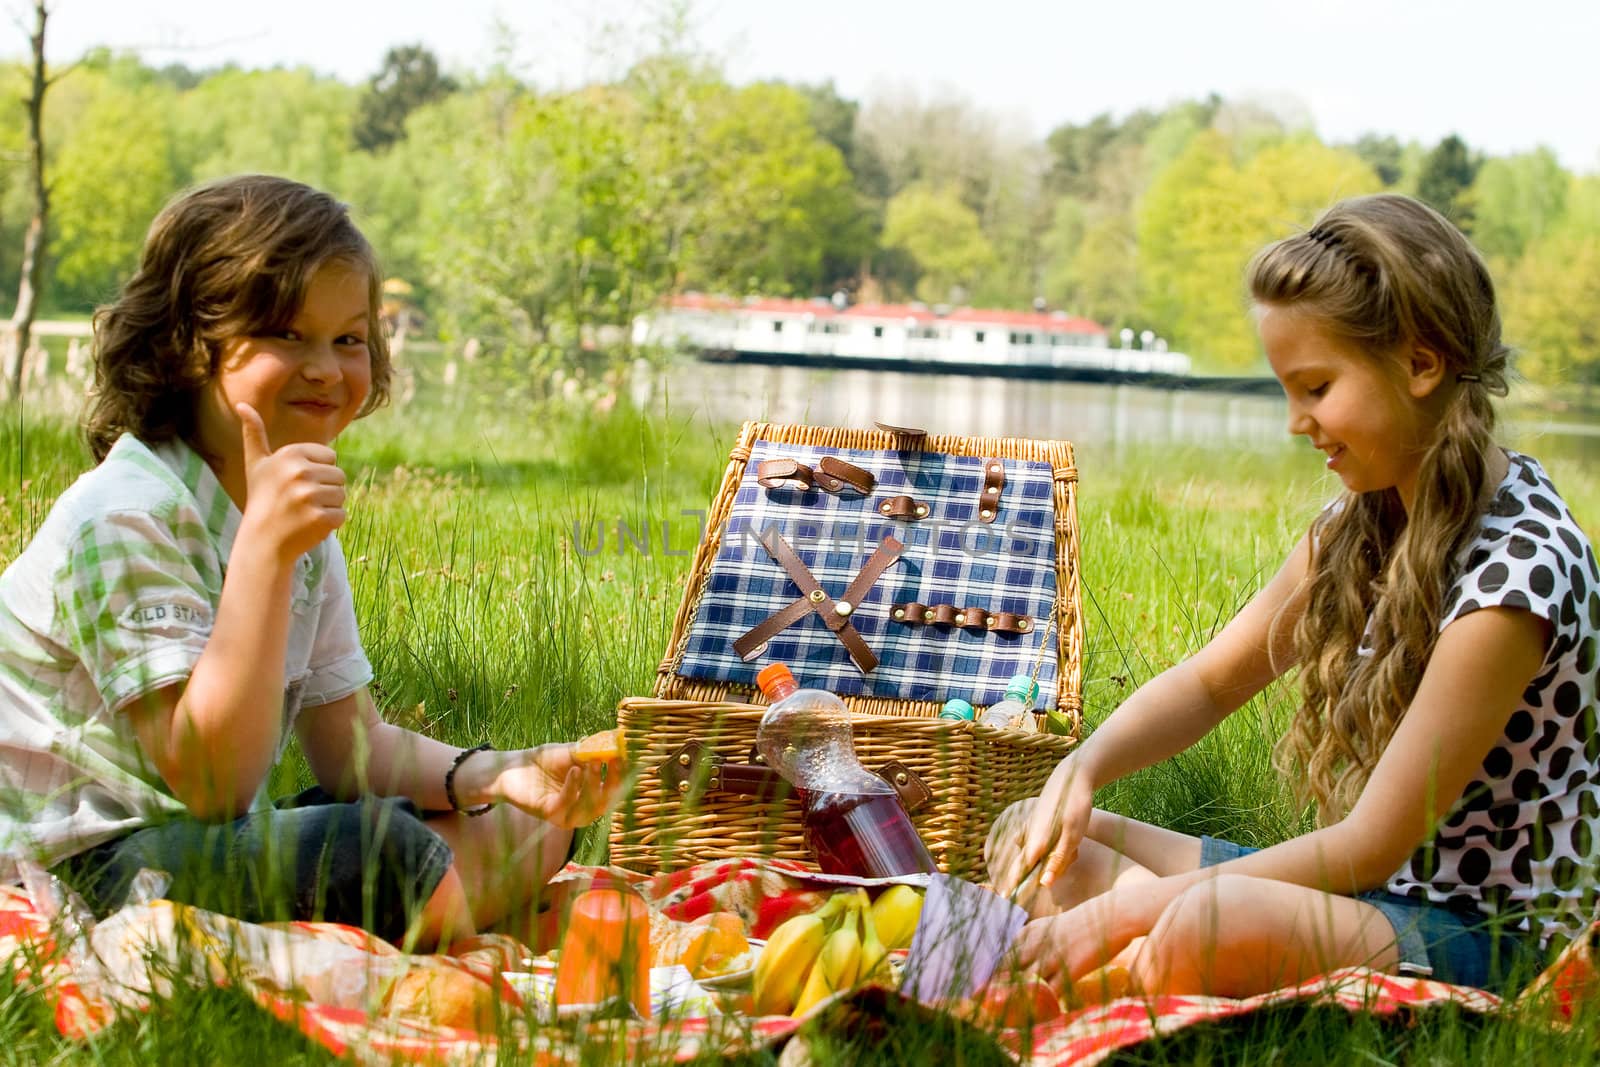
(844, 942)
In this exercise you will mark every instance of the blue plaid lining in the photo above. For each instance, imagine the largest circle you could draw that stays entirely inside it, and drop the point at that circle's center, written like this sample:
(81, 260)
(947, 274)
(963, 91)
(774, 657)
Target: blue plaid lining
(949, 558)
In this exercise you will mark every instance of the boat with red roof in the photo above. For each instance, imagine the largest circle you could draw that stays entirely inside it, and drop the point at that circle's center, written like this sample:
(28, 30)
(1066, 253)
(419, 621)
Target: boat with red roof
(910, 337)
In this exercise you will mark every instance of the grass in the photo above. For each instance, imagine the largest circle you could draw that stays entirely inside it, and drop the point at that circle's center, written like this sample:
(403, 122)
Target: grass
(489, 614)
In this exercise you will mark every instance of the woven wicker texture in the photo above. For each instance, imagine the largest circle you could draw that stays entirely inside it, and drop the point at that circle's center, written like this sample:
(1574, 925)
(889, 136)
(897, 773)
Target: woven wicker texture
(974, 772)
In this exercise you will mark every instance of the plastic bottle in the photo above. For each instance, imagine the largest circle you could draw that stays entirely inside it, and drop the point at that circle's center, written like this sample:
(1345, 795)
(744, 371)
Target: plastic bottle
(606, 952)
(1021, 692)
(854, 821)
(957, 709)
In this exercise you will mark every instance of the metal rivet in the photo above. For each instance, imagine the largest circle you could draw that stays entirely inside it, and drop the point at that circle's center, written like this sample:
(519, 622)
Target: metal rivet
(1023, 624)
(994, 468)
(992, 491)
(817, 596)
(901, 778)
(843, 608)
(884, 507)
(989, 621)
(960, 617)
(683, 759)
(986, 513)
(683, 787)
(922, 509)
(899, 613)
(927, 616)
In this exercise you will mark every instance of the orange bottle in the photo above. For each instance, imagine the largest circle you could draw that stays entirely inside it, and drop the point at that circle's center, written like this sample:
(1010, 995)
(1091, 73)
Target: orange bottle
(606, 950)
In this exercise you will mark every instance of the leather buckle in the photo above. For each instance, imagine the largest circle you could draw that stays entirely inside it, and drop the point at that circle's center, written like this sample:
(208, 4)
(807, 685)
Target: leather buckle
(904, 508)
(994, 480)
(783, 473)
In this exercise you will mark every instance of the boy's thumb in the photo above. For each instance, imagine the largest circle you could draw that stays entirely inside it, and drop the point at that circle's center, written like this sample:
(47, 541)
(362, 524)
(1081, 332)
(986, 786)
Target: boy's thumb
(253, 433)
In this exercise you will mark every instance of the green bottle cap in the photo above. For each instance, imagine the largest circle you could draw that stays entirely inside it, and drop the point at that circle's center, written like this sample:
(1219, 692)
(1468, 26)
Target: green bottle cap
(956, 708)
(1022, 687)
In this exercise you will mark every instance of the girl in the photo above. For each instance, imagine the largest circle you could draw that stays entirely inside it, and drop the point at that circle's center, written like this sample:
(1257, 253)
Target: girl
(1444, 614)
(185, 605)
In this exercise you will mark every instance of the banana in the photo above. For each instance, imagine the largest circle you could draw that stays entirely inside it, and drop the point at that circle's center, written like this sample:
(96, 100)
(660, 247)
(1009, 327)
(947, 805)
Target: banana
(895, 914)
(790, 953)
(836, 967)
(873, 954)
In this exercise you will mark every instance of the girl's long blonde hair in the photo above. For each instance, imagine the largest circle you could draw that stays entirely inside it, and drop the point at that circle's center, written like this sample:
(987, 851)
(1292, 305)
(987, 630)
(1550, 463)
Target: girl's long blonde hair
(1382, 271)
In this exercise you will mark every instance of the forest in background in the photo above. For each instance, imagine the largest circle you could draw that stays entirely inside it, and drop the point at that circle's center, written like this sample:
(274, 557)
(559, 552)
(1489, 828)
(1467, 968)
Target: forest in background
(529, 218)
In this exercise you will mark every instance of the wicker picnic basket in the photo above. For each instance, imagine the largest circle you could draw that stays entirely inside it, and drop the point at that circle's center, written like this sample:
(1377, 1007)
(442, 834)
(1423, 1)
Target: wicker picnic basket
(702, 793)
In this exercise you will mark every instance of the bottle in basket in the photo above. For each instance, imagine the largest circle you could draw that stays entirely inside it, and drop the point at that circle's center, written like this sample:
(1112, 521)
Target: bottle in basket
(853, 819)
(1010, 713)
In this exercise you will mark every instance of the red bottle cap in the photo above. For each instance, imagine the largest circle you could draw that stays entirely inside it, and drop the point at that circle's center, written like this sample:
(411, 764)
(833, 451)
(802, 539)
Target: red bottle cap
(776, 681)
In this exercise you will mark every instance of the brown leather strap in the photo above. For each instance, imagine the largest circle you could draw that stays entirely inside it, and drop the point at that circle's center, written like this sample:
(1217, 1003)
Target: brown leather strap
(912, 613)
(994, 480)
(750, 645)
(904, 507)
(882, 559)
(901, 431)
(783, 473)
(835, 614)
(833, 474)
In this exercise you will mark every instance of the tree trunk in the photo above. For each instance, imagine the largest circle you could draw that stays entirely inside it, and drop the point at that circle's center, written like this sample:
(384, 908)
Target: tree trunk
(33, 242)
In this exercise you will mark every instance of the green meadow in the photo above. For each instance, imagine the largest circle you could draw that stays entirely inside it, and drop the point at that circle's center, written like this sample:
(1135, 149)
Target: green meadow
(489, 615)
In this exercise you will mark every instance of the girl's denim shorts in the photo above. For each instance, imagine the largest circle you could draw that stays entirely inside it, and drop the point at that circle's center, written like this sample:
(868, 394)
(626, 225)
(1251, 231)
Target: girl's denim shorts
(1460, 947)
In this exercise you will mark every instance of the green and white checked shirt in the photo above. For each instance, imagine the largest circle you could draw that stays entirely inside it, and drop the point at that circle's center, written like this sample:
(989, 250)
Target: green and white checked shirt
(115, 597)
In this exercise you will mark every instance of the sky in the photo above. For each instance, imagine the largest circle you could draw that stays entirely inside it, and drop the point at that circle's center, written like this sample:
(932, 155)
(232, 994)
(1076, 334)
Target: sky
(1507, 77)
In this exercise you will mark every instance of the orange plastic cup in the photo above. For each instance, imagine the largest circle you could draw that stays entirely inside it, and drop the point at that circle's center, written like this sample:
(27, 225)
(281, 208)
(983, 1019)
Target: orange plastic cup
(606, 951)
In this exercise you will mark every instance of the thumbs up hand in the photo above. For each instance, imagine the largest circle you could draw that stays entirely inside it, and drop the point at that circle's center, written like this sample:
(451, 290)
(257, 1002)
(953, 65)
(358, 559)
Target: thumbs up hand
(294, 496)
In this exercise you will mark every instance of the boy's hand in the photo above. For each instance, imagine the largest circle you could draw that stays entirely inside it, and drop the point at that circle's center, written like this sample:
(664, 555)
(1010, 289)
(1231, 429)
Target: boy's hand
(294, 496)
(550, 781)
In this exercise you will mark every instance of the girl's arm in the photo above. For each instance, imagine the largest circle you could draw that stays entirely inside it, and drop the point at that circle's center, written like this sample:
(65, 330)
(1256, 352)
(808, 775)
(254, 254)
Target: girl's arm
(214, 737)
(1472, 684)
(351, 750)
(1163, 717)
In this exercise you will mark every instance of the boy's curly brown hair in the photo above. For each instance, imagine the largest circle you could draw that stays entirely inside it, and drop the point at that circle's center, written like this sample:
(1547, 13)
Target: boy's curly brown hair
(227, 259)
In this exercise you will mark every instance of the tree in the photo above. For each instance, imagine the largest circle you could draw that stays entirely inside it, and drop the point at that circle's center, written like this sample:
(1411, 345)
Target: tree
(1204, 216)
(1552, 298)
(1515, 200)
(1383, 154)
(408, 79)
(31, 282)
(1447, 174)
(942, 237)
(114, 172)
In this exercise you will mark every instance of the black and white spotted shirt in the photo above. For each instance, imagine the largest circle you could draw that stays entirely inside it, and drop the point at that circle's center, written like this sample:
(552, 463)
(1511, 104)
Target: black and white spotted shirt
(1522, 837)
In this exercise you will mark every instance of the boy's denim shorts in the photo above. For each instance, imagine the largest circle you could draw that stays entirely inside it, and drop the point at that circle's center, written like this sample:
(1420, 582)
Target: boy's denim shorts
(371, 863)
(1460, 947)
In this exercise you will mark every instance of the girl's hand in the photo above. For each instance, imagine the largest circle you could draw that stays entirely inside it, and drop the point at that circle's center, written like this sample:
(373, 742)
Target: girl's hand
(1055, 826)
(551, 783)
(294, 497)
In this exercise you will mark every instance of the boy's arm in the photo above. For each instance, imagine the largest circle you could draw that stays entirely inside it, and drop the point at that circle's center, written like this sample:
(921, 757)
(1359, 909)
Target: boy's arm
(1164, 716)
(351, 750)
(214, 737)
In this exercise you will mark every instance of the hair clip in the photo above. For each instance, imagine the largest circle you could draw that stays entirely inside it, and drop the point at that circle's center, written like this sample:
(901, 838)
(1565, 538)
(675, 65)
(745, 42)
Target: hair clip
(1323, 237)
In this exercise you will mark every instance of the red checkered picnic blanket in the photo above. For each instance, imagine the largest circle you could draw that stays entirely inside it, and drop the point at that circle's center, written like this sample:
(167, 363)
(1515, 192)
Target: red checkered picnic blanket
(327, 980)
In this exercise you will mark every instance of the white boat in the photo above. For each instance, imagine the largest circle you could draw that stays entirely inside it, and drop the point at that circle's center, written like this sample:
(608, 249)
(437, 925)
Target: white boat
(912, 337)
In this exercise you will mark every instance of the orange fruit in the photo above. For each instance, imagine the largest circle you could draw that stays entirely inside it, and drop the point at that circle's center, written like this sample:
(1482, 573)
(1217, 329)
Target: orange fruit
(601, 747)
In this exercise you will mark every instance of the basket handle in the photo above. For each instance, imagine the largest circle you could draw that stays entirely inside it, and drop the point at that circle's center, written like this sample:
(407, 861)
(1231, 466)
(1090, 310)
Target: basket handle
(694, 760)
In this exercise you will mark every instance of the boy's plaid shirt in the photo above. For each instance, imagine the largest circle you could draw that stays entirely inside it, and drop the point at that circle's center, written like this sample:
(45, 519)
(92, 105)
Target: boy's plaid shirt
(114, 598)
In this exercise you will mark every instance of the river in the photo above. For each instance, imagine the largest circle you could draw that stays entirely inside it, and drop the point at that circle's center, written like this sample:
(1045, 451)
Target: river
(1099, 416)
